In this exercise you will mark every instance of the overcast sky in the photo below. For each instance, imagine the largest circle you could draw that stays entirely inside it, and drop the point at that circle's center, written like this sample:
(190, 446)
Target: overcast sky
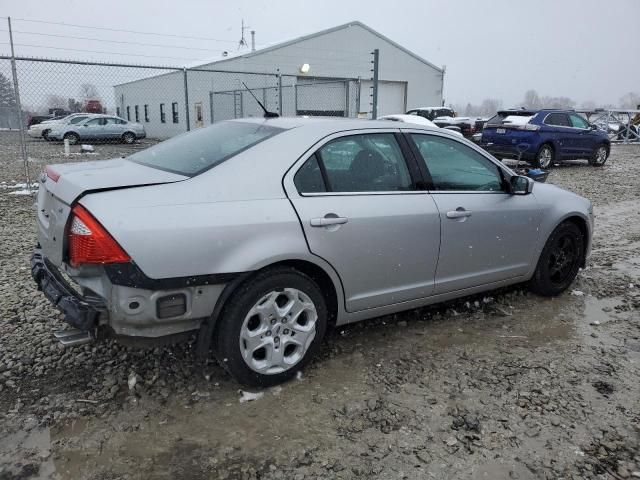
(583, 49)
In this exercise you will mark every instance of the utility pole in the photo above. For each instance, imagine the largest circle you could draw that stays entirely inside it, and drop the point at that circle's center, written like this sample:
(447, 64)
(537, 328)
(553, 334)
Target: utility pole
(374, 104)
(16, 93)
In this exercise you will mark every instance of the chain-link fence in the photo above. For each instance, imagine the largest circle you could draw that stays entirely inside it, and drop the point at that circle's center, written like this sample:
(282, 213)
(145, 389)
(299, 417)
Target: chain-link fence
(119, 108)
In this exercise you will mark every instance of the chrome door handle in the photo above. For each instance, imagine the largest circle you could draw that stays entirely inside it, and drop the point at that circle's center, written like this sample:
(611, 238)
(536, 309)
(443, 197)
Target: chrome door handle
(459, 213)
(328, 221)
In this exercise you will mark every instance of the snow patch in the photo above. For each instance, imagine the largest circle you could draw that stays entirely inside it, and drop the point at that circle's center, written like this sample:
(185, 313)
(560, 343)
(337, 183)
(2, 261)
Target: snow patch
(250, 396)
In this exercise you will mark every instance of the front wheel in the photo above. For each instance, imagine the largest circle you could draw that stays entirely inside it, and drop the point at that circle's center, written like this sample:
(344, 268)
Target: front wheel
(599, 157)
(559, 261)
(544, 157)
(271, 327)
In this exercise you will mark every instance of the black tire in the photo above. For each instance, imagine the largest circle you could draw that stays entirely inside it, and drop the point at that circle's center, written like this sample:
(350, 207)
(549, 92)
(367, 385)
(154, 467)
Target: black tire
(45, 135)
(227, 337)
(559, 261)
(545, 156)
(600, 156)
(128, 137)
(73, 138)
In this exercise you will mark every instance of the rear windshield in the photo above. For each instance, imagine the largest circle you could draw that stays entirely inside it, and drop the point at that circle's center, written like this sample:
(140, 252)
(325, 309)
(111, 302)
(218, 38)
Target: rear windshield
(513, 118)
(195, 152)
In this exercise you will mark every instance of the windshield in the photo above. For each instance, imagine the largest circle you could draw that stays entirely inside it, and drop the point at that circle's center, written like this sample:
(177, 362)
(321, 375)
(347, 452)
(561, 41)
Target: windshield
(195, 152)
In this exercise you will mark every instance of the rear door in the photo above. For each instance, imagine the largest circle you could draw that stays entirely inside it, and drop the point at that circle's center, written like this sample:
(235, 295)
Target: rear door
(357, 201)
(557, 128)
(488, 235)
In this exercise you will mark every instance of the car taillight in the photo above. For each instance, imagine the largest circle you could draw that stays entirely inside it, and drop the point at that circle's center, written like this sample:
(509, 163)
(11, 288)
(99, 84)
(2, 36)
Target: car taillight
(528, 126)
(90, 243)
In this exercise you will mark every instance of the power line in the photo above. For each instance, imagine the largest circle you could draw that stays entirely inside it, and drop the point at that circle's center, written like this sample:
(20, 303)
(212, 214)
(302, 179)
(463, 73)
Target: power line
(115, 41)
(126, 31)
(98, 51)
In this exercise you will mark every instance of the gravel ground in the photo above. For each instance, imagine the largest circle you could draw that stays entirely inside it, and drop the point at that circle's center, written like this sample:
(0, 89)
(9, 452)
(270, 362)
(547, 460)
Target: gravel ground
(503, 385)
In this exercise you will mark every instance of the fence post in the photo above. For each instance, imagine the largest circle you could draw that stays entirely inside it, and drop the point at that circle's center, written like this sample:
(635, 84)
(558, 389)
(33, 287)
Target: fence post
(16, 93)
(280, 109)
(186, 99)
(374, 105)
(347, 85)
(358, 106)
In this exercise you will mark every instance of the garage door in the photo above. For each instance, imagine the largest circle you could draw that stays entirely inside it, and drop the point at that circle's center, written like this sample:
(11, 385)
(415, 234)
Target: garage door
(392, 97)
(321, 97)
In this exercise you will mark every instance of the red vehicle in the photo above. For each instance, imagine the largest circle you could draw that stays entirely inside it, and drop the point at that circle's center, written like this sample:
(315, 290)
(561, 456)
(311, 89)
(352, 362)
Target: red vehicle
(93, 106)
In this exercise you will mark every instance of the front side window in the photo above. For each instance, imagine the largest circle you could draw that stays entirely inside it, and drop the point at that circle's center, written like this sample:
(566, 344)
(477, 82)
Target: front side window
(137, 111)
(146, 113)
(197, 151)
(455, 166)
(163, 117)
(174, 111)
(365, 163)
(578, 122)
(557, 120)
(95, 122)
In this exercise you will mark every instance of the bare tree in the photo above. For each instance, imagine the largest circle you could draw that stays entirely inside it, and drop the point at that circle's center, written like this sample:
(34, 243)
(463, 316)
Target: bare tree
(557, 102)
(56, 101)
(489, 106)
(588, 105)
(532, 100)
(630, 100)
(88, 91)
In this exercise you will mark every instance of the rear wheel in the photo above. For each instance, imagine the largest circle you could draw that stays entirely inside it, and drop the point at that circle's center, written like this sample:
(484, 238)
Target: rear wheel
(560, 260)
(128, 137)
(545, 156)
(72, 137)
(600, 156)
(271, 327)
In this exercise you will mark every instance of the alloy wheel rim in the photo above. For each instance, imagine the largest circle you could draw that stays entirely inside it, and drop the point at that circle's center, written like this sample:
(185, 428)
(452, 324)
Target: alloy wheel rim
(601, 155)
(545, 157)
(277, 331)
(562, 259)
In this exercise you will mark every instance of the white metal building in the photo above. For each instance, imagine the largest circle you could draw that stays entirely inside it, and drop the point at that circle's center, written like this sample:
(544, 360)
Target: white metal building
(325, 73)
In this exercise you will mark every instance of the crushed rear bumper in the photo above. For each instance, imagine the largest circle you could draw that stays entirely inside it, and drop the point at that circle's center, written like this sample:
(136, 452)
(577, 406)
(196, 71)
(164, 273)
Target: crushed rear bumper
(77, 312)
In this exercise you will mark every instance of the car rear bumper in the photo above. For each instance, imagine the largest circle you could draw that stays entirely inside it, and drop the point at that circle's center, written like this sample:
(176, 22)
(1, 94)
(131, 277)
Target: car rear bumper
(131, 311)
(507, 151)
(77, 312)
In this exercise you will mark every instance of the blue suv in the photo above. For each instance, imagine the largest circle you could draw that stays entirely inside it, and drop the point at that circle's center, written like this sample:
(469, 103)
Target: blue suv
(542, 137)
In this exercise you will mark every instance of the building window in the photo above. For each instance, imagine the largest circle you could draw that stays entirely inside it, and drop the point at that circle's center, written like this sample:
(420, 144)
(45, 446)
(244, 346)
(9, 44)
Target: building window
(137, 113)
(163, 118)
(128, 113)
(117, 111)
(174, 111)
(146, 113)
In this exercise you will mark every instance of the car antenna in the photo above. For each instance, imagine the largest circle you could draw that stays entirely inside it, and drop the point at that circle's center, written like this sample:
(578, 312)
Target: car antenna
(267, 113)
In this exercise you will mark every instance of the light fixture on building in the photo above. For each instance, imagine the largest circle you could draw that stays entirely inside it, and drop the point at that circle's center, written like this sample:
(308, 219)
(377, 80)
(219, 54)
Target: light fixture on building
(304, 68)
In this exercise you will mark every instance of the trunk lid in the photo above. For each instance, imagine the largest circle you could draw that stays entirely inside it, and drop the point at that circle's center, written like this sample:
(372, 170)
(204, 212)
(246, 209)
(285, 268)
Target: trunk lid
(56, 197)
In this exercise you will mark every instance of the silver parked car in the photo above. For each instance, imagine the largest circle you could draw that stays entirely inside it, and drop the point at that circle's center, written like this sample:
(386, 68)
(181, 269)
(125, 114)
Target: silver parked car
(259, 234)
(98, 127)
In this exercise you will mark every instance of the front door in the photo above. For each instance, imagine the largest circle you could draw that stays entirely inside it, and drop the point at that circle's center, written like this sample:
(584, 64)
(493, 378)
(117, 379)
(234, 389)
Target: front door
(488, 235)
(360, 211)
(584, 137)
(199, 118)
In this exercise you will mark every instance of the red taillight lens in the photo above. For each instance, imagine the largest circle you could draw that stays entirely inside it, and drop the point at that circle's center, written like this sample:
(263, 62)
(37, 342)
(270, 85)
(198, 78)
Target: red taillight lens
(89, 242)
(51, 173)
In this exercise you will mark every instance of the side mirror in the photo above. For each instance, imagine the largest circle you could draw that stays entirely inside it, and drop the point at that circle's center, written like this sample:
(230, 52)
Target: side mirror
(594, 127)
(521, 185)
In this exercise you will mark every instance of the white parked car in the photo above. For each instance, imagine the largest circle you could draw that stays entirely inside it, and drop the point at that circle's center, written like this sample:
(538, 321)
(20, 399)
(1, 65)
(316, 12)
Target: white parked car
(417, 120)
(42, 129)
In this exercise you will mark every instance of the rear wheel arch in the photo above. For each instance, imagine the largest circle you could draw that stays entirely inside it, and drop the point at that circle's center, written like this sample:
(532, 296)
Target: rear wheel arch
(315, 272)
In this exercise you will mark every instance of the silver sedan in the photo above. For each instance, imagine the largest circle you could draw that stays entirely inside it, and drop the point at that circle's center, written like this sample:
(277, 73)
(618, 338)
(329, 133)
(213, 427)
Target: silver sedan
(98, 127)
(260, 234)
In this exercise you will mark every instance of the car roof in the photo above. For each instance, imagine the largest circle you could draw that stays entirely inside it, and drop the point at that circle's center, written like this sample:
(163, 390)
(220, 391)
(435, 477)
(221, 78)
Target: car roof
(332, 124)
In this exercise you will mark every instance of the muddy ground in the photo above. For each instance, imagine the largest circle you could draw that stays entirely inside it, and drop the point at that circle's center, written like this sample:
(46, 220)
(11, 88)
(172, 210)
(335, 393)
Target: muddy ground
(502, 385)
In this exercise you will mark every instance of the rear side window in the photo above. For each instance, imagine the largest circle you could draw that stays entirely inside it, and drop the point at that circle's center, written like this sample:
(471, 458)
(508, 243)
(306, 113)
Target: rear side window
(365, 163)
(309, 178)
(557, 120)
(197, 151)
(454, 166)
